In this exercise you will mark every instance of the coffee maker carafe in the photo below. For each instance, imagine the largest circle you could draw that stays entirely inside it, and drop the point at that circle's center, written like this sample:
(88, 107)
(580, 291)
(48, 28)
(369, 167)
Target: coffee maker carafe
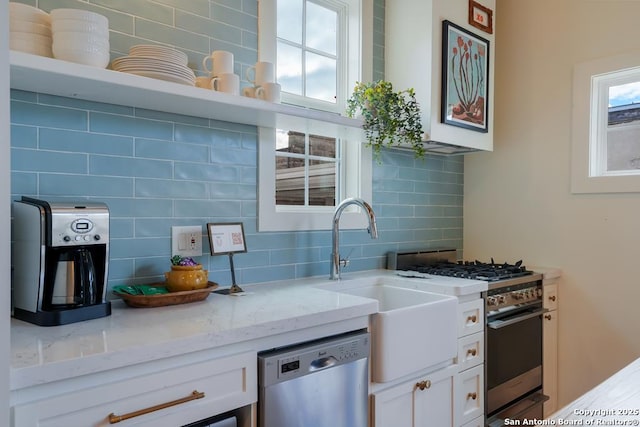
(60, 253)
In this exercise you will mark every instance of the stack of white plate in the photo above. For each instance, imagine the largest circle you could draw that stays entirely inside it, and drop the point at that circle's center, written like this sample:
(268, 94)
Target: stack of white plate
(30, 29)
(80, 36)
(158, 62)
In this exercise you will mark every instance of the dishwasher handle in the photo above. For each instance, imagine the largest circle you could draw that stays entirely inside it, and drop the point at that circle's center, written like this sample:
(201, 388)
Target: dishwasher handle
(322, 363)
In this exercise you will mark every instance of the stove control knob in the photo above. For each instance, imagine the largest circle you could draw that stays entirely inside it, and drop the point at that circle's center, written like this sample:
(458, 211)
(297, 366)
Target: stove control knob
(518, 295)
(502, 299)
(491, 301)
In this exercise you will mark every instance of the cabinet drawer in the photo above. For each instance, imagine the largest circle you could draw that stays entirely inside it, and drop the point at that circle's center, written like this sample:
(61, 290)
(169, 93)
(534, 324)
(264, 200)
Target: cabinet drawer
(470, 317)
(469, 395)
(550, 296)
(226, 383)
(470, 351)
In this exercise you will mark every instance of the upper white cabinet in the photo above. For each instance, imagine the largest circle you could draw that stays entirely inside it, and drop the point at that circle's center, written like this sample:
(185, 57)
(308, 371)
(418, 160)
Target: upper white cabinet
(413, 58)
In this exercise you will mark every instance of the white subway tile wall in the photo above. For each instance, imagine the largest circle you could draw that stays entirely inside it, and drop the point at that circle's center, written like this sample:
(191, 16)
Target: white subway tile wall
(156, 170)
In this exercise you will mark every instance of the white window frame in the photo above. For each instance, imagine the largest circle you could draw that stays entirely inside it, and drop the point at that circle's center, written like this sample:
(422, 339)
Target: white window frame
(355, 173)
(591, 83)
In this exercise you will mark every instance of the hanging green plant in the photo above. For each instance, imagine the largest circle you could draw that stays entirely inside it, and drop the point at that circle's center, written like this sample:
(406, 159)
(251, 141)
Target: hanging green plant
(390, 118)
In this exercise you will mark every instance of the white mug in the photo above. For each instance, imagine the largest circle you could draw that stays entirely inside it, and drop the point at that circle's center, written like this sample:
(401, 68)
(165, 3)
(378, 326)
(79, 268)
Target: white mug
(226, 82)
(269, 92)
(249, 92)
(222, 63)
(263, 72)
(203, 82)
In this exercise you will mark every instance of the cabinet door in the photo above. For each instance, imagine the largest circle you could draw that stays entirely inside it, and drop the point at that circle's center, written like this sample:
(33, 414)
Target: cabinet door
(550, 361)
(425, 401)
(550, 296)
(224, 384)
(470, 395)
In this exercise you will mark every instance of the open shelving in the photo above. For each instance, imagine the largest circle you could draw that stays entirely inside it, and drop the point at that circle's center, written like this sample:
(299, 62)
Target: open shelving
(56, 77)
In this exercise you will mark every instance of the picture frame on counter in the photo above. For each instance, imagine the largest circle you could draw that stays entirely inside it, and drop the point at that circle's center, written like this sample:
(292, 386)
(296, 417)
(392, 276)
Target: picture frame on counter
(226, 238)
(480, 17)
(465, 78)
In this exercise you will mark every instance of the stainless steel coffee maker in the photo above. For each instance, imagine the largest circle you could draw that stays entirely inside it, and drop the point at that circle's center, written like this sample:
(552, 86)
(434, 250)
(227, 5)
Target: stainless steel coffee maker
(60, 257)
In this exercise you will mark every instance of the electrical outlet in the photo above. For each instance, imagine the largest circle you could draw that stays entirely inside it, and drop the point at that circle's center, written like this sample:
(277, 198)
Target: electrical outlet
(186, 240)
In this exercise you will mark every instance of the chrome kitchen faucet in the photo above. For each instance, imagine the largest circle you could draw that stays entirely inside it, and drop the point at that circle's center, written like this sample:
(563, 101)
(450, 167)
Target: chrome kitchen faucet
(336, 262)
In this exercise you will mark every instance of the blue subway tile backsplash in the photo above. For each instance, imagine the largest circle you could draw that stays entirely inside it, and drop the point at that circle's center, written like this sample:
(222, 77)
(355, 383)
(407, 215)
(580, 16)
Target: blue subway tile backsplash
(156, 170)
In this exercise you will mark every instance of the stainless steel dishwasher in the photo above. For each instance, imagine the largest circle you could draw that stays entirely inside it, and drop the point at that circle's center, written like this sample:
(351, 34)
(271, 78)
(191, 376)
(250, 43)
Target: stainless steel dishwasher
(321, 383)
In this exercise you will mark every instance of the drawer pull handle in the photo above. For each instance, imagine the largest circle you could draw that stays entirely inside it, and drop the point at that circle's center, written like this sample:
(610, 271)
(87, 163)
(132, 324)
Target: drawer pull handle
(423, 384)
(472, 319)
(472, 396)
(472, 352)
(117, 418)
(552, 298)
(547, 316)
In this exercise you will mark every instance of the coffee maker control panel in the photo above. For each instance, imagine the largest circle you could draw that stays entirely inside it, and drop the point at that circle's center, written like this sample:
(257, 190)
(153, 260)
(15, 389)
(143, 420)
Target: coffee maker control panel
(86, 226)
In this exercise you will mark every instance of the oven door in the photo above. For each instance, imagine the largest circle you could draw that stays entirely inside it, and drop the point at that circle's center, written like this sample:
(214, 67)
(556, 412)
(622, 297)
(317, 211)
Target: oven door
(514, 355)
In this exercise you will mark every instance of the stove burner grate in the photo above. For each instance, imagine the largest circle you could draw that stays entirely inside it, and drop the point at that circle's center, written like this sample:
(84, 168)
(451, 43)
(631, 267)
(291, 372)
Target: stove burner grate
(490, 272)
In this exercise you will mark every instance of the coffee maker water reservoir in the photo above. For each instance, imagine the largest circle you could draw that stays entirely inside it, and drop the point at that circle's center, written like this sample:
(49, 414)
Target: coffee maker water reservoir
(60, 257)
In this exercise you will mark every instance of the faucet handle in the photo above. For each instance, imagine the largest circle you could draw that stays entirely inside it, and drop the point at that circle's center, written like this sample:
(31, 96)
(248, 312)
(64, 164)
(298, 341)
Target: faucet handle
(344, 262)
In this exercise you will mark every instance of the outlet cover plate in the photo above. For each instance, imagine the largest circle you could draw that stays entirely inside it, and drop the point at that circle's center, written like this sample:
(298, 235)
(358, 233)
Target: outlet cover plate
(186, 240)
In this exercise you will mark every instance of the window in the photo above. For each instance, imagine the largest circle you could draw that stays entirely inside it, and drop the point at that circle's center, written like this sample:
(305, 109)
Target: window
(606, 126)
(306, 169)
(307, 51)
(317, 47)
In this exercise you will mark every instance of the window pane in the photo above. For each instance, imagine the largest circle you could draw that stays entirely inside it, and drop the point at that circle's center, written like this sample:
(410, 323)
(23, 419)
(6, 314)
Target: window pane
(289, 67)
(322, 183)
(625, 94)
(322, 146)
(623, 148)
(623, 128)
(290, 178)
(289, 142)
(289, 17)
(320, 77)
(322, 28)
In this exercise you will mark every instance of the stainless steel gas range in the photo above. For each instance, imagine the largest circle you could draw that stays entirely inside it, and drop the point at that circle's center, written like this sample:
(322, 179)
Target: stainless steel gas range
(513, 327)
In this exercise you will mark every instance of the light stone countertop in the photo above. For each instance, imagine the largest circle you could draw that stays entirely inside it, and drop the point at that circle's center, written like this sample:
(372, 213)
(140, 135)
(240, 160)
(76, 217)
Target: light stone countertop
(616, 401)
(41, 355)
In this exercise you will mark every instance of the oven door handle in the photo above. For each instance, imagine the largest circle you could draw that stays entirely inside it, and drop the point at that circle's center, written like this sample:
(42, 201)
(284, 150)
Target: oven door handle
(497, 324)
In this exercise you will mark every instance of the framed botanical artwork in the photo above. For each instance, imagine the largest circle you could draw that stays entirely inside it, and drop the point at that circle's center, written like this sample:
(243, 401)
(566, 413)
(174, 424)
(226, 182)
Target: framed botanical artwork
(465, 78)
(226, 238)
(480, 16)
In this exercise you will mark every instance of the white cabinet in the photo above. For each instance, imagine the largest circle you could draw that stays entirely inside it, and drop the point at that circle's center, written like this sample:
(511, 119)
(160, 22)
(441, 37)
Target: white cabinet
(470, 317)
(413, 58)
(469, 395)
(469, 387)
(426, 400)
(470, 351)
(550, 346)
(451, 396)
(169, 397)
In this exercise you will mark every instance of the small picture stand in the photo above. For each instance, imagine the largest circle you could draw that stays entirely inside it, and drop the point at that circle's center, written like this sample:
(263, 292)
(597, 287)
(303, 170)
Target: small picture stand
(227, 239)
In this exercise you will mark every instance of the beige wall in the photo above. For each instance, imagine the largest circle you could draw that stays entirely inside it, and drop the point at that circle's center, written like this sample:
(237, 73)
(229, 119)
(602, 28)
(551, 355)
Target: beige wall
(518, 201)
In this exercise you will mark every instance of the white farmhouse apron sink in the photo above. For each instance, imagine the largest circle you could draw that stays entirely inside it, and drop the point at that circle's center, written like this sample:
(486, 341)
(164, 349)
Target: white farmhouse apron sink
(412, 329)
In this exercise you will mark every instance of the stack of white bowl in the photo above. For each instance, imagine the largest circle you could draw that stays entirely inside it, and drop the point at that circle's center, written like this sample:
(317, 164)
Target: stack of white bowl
(30, 29)
(80, 36)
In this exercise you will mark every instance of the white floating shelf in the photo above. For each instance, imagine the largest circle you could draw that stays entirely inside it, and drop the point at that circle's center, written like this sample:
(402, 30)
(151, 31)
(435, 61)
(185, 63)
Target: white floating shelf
(55, 77)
